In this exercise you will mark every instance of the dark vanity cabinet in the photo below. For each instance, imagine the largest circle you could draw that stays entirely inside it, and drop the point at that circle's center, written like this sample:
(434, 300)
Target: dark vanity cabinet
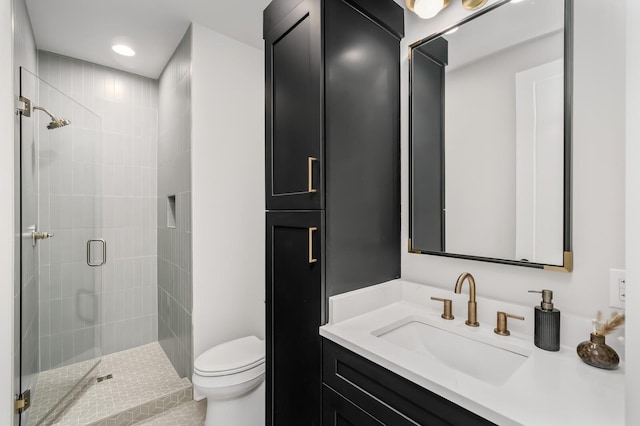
(294, 292)
(337, 410)
(359, 392)
(332, 178)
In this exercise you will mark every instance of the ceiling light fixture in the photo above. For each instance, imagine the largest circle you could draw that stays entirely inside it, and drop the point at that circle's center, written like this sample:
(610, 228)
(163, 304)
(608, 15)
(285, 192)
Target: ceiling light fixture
(123, 50)
(427, 8)
(473, 4)
(452, 30)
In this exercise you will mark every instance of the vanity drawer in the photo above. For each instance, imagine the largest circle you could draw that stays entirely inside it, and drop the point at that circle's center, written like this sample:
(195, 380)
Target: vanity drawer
(339, 411)
(392, 399)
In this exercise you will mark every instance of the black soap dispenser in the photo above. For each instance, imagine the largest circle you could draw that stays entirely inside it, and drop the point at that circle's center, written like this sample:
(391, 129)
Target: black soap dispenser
(546, 323)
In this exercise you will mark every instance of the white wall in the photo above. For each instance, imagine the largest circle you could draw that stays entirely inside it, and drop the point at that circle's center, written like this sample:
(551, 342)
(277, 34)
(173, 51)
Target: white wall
(633, 213)
(228, 189)
(6, 214)
(24, 55)
(598, 161)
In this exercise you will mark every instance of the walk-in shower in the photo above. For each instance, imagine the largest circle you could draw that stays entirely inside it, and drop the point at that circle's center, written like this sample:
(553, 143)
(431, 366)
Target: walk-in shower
(89, 350)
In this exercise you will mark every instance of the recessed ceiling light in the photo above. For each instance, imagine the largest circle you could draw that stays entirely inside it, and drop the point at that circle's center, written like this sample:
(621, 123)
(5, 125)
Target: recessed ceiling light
(123, 50)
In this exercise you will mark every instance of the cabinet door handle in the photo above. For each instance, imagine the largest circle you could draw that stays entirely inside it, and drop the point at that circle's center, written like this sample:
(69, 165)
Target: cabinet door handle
(311, 258)
(310, 169)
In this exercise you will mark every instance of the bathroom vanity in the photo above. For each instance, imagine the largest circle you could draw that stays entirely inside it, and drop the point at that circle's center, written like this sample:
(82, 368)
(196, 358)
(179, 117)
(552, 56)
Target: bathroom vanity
(386, 354)
(389, 358)
(374, 395)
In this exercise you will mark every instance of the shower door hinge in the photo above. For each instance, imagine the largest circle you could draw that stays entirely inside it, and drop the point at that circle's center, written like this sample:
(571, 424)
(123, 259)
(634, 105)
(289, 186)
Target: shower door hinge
(26, 111)
(23, 401)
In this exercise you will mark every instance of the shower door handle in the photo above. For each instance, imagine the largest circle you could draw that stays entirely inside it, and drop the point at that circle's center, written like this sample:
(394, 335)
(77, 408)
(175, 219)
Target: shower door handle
(104, 252)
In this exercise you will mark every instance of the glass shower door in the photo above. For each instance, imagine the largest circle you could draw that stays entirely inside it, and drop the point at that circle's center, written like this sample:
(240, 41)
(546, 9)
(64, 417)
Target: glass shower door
(62, 249)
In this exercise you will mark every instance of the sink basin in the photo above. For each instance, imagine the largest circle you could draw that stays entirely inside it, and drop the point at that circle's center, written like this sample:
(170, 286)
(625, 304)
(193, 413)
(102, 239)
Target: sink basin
(459, 349)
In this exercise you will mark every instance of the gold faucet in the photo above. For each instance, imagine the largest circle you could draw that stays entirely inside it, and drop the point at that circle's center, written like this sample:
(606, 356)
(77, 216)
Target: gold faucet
(472, 320)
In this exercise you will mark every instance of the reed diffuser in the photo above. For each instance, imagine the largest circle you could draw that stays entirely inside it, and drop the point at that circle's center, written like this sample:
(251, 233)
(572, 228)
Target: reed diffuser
(596, 352)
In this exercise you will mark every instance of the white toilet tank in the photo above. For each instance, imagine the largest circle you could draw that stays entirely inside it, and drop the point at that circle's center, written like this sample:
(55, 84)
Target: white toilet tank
(231, 377)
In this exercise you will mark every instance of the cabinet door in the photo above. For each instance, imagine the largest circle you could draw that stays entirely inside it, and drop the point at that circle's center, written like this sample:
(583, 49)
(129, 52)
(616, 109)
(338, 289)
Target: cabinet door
(294, 313)
(294, 176)
(338, 411)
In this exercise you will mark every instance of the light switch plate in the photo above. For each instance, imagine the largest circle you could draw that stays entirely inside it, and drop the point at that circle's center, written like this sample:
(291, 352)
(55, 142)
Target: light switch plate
(617, 288)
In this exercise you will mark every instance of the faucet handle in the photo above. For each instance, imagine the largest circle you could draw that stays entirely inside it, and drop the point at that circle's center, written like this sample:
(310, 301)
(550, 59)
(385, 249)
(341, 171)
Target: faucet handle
(447, 308)
(501, 329)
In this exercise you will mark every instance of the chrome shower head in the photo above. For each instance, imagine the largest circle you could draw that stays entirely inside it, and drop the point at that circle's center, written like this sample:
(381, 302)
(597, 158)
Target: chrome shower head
(56, 122)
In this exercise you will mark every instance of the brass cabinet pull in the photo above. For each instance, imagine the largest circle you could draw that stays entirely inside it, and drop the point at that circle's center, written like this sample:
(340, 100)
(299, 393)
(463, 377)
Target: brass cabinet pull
(311, 258)
(310, 169)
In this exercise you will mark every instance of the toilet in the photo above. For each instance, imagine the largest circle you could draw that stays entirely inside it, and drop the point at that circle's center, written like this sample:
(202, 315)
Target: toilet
(231, 377)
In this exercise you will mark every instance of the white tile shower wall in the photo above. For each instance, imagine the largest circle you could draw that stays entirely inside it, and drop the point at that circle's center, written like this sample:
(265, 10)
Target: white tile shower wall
(69, 203)
(126, 300)
(175, 290)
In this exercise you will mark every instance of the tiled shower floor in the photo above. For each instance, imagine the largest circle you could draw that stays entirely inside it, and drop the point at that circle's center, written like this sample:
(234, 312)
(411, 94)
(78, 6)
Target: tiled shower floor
(144, 385)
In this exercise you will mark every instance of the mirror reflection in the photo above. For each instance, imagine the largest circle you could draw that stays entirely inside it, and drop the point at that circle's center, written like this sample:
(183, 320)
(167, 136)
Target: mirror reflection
(488, 137)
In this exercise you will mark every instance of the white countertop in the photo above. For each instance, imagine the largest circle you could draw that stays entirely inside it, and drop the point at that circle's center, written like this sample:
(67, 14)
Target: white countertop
(550, 388)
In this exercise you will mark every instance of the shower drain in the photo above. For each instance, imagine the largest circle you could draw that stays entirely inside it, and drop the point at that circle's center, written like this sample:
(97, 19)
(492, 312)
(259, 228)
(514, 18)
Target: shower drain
(103, 378)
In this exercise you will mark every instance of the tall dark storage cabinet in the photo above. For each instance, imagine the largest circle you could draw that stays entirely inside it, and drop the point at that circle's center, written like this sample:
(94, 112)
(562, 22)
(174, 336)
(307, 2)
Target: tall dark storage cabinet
(332, 178)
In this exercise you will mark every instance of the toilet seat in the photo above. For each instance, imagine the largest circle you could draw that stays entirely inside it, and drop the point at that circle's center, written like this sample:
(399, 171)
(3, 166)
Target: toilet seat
(242, 381)
(233, 357)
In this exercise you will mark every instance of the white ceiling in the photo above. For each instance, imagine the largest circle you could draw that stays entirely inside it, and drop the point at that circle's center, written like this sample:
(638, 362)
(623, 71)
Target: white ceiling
(86, 29)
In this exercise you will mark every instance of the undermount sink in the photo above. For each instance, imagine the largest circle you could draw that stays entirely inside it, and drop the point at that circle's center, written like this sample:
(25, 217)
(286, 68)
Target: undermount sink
(459, 349)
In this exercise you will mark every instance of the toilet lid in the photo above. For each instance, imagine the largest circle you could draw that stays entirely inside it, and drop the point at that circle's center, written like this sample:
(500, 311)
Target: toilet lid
(231, 357)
